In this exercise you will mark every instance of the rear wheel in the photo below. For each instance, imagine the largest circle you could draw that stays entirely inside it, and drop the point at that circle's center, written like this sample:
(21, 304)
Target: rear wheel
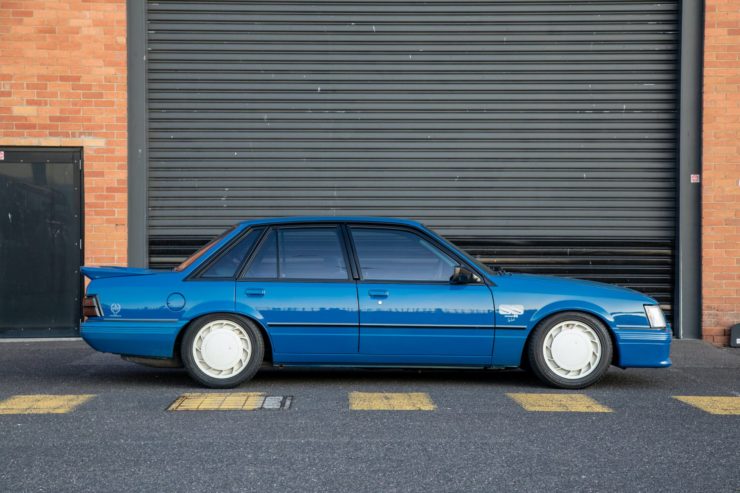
(222, 350)
(570, 350)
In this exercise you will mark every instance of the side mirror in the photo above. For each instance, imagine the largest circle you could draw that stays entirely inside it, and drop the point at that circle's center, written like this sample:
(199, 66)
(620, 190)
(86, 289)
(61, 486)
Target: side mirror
(463, 275)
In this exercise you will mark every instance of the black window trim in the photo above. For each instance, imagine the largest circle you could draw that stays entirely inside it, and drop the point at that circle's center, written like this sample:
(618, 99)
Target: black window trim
(350, 244)
(423, 235)
(196, 275)
(277, 227)
(348, 250)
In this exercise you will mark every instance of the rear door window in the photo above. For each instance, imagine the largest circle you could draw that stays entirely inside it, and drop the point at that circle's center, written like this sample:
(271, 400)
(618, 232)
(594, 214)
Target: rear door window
(311, 253)
(264, 264)
(294, 253)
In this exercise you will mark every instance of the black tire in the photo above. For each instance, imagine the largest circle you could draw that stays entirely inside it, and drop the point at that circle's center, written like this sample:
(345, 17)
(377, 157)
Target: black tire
(536, 351)
(246, 373)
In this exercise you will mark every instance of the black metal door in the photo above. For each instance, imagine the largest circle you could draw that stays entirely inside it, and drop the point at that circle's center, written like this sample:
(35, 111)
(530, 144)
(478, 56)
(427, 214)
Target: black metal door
(40, 235)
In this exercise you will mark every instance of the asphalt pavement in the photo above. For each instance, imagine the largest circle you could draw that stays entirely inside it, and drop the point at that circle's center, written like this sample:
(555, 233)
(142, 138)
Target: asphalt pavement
(470, 432)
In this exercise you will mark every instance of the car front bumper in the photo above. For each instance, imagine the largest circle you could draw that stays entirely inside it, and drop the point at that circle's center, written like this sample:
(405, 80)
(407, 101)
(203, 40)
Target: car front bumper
(644, 348)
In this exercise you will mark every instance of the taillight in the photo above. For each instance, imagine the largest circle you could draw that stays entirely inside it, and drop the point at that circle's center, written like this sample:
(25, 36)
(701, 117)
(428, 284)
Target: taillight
(90, 307)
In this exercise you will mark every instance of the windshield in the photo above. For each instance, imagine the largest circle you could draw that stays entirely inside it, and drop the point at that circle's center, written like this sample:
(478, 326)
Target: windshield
(472, 259)
(480, 264)
(205, 249)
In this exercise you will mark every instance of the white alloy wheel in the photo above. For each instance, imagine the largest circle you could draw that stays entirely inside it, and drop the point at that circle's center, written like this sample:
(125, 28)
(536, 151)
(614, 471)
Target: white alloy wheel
(222, 349)
(572, 349)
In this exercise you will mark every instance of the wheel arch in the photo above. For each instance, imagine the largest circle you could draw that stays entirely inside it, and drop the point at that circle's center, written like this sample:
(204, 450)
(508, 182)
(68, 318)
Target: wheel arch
(537, 321)
(257, 323)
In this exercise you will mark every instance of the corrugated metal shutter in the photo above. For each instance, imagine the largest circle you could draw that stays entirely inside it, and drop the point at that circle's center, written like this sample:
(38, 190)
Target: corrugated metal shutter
(541, 134)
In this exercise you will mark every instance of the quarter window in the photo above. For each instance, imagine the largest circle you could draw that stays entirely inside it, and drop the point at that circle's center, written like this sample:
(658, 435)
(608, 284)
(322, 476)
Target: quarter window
(397, 255)
(227, 265)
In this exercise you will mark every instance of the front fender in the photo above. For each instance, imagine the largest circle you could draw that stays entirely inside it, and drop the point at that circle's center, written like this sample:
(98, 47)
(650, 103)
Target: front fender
(568, 306)
(511, 339)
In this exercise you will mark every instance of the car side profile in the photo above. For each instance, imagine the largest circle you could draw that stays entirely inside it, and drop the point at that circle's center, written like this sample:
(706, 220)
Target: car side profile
(363, 292)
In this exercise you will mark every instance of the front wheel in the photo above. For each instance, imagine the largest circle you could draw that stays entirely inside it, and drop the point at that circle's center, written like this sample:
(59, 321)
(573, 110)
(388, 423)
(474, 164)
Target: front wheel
(570, 350)
(222, 350)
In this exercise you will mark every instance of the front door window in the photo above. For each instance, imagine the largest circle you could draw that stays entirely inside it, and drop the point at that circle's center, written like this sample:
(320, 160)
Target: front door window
(398, 255)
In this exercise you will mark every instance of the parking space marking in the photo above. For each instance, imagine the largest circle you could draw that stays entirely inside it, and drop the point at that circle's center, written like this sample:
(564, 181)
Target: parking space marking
(573, 403)
(723, 405)
(390, 401)
(43, 403)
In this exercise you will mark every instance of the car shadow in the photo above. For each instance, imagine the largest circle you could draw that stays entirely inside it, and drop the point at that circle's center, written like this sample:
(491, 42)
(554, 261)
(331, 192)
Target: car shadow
(141, 376)
(145, 377)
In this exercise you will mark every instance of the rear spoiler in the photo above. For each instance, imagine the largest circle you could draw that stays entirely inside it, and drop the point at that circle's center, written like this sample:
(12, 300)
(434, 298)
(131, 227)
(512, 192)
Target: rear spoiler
(112, 271)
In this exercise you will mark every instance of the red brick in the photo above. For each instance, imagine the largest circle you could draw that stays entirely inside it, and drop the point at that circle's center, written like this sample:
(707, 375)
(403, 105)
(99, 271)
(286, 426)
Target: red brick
(48, 64)
(721, 170)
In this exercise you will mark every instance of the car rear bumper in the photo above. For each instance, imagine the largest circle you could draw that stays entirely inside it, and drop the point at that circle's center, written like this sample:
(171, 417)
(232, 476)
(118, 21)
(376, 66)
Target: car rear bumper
(149, 338)
(644, 348)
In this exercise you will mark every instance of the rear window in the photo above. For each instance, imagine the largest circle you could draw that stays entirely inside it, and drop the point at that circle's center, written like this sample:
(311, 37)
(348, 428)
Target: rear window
(205, 249)
(228, 263)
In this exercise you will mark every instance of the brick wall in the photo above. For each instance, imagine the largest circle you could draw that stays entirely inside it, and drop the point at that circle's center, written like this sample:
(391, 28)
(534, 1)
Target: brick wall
(721, 171)
(63, 83)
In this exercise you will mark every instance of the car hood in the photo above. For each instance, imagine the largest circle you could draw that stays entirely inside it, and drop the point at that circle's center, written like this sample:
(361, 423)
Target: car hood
(567, 286)
(111, 271)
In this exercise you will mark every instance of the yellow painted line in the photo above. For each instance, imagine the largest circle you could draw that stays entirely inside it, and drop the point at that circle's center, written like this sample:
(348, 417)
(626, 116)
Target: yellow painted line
(229, 401)
(729, 405)
(573, 403)
(43, 403)
(390, 401)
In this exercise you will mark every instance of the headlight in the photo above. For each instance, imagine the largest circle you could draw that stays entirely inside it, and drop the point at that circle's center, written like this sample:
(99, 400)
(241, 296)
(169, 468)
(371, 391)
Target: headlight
(655, 316)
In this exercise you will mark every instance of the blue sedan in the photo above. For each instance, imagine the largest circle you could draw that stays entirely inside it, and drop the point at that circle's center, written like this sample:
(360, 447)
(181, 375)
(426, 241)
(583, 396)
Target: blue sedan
(363, 292)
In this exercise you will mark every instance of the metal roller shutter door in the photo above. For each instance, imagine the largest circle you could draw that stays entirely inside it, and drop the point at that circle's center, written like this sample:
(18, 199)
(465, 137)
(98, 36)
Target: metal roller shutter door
(538, 134)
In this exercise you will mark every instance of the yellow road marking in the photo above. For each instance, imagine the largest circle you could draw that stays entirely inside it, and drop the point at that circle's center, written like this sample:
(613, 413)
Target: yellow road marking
(574, 403)
(229, 401)
(729, 405)
(43, 403)
(389, 401)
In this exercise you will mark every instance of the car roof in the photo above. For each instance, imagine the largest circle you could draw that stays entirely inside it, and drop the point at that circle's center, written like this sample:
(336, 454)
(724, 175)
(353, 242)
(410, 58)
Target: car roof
(331, 219)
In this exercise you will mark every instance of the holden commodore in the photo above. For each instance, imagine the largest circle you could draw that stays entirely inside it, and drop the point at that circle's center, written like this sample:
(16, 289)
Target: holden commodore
(363, 292)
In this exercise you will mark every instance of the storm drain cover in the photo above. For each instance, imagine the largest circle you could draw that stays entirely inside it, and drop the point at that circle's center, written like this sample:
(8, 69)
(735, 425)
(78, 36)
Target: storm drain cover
(230, 401)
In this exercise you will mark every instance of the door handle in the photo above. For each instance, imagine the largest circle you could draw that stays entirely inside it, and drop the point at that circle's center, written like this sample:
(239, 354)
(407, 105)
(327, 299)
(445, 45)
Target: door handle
(378, 293)
(255, 292)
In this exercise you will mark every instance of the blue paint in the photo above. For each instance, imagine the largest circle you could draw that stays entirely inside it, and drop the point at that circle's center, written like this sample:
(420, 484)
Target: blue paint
(446, 319)
(134, 338)
(304, 317)
(362, 323)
